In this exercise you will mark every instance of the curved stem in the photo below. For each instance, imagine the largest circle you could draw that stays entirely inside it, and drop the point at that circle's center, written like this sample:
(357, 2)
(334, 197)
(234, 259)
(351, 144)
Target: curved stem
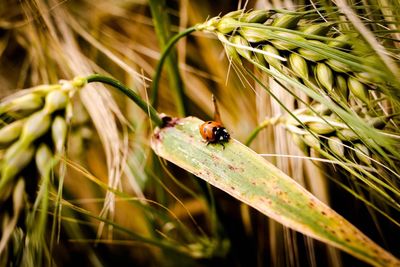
(162, 25)
(148, 109)
(165, 53)
(255, 132)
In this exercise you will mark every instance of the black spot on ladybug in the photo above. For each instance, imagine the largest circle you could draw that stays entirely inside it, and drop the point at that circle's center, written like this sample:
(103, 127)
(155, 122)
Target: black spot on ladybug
(214, 132)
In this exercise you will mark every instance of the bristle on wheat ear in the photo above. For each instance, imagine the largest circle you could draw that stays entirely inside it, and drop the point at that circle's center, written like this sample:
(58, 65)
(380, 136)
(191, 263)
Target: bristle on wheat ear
(303, 46)
(32, 116)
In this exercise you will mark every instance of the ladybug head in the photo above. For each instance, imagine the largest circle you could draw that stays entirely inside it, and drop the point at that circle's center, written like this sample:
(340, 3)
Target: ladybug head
(221, 135)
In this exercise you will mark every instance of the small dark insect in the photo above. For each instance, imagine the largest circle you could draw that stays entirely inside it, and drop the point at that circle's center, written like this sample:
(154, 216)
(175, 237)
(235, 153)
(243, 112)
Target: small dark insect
(213, 131)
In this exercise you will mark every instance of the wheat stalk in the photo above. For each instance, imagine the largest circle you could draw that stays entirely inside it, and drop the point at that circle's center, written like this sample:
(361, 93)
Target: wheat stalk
(26, 121)
(312, 51)
(337, 66)
(349, 119)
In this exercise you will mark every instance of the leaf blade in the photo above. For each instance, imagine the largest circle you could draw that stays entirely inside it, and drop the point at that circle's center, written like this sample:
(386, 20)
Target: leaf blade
(245, 175)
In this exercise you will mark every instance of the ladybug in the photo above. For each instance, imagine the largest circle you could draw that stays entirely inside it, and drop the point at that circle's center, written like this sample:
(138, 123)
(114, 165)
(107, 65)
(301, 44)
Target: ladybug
(213, 131)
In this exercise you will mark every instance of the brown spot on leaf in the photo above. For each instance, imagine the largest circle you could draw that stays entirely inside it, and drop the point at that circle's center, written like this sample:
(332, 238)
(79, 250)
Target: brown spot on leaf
(214, 158)
(235, 169)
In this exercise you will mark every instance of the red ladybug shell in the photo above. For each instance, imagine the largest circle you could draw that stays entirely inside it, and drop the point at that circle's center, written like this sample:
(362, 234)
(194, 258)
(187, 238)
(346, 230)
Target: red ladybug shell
(214, 132)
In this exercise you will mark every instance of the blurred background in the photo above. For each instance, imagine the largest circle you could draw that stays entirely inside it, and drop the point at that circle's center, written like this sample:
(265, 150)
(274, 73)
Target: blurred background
(158, 214)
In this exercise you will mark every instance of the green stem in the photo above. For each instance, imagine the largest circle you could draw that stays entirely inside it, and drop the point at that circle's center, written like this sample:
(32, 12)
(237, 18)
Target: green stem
(164, 55)
(255, 132)
(161, 23)
(148, 109)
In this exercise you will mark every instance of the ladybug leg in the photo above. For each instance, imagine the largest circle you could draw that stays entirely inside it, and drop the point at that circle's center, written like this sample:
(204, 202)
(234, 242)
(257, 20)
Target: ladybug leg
(223, 146)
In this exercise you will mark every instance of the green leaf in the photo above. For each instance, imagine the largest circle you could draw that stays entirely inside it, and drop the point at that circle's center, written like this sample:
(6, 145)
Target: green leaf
(245, 175)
